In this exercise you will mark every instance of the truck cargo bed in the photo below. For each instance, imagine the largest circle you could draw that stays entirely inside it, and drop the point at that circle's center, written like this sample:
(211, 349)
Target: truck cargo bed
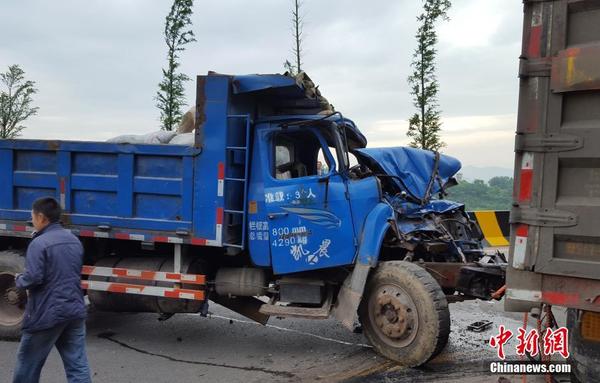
(101, 186)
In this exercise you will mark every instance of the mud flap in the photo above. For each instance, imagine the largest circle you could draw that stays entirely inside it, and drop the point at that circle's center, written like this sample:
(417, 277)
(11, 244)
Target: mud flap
(350, 295)
(246, 306)
(377, 223)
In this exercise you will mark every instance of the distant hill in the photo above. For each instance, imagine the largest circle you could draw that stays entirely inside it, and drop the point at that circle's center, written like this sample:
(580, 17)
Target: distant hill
(496, 194)
(485, 173)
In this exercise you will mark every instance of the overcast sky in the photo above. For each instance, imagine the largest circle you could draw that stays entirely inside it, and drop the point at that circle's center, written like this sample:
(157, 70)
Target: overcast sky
(97, 63)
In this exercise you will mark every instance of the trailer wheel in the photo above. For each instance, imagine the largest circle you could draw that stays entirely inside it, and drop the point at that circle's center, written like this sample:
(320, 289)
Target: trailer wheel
(404, 313)
(12, 304)
(585, 353)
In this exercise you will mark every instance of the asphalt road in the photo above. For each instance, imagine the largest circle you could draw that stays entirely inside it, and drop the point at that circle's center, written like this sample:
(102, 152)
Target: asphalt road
(229, 348)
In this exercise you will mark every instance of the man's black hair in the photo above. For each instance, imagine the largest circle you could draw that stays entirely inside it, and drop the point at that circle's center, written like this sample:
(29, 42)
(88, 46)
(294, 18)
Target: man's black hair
(49, 207)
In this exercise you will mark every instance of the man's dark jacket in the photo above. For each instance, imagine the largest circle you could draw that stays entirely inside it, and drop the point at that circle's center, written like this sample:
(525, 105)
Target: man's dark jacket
(52, 276)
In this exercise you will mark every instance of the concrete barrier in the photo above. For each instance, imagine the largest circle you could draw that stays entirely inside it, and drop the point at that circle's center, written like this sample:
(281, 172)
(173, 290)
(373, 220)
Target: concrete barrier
(494, 226)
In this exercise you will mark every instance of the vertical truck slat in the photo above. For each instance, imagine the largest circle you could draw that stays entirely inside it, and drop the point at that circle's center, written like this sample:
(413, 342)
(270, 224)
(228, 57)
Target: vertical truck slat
(125, 185)
(64, 179)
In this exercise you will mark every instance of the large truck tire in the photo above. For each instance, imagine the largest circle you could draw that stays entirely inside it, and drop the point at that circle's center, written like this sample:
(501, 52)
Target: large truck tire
(12, 309)
(585, 354)
(404, 313)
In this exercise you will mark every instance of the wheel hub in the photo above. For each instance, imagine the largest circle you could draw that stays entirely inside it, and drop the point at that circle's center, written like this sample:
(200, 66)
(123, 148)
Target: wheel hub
(13, 296)
(390, 313)
(12, 301)
(392, 317)
(395, 315)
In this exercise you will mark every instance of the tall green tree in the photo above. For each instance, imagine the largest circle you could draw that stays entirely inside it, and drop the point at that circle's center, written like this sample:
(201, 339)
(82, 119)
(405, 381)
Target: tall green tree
(16, 101)
(170, 96)
(501, 182)
(425, 125)
(295, 66)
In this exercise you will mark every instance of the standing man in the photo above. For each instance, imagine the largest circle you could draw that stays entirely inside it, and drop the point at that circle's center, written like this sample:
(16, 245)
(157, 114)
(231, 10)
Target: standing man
(55, 313)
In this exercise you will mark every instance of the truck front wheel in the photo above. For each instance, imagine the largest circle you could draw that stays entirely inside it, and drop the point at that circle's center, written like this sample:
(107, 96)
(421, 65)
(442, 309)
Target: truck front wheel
(404, 313)
(12, 303)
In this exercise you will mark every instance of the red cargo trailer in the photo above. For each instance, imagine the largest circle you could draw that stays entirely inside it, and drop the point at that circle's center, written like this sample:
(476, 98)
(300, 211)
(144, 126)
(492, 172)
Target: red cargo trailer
(555, 232)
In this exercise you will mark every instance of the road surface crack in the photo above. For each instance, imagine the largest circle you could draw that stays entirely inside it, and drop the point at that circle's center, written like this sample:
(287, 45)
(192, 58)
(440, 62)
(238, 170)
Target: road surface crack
(109, 336)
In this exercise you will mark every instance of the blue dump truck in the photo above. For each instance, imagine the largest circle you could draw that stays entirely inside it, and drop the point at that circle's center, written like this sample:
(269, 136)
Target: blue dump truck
(278, 209)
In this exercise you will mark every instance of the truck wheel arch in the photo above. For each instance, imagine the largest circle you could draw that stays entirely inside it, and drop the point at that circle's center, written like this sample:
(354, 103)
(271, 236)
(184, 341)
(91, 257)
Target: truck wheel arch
(377, 225)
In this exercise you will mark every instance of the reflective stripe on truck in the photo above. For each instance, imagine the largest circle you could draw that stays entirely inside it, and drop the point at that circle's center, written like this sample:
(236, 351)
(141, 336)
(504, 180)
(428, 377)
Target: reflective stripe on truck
(25, 231)
(127, 288)
(159, 276)
(144, 275)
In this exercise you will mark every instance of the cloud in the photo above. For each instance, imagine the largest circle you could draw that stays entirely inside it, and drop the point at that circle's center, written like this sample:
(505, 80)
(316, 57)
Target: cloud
(475, 140)
(470, 26)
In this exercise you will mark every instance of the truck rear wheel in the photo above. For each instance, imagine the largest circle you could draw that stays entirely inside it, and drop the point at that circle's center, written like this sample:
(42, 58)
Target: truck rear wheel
(12, 308)
(404, 313)
(585, 353)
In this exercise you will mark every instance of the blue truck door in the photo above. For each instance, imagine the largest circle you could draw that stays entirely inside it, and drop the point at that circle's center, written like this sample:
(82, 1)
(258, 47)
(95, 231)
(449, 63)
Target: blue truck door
(309, 218)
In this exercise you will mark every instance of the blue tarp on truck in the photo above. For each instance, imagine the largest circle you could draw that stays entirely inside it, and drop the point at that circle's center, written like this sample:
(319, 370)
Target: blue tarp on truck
(413, 168)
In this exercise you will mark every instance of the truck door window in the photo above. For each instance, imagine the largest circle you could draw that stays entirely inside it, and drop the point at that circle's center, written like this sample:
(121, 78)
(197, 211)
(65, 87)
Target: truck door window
(296, 154)
(284, 157)
(333, 151)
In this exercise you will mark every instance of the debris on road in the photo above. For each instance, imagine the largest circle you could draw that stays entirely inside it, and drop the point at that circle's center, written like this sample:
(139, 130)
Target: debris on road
(480, 326)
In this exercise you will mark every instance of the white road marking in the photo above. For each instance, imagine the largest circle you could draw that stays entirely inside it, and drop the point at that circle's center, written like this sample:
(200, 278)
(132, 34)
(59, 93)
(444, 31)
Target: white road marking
(292, 330)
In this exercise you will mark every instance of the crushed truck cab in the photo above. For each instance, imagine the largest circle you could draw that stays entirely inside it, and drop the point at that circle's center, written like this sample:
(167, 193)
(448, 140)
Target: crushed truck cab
(279, 198)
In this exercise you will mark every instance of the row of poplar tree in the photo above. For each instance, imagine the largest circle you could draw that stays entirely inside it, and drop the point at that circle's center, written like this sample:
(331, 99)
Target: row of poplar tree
(16, 94)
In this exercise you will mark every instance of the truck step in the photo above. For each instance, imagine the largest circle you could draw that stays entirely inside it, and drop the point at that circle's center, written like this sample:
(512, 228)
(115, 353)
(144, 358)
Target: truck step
(295, 312)
(322, 312)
